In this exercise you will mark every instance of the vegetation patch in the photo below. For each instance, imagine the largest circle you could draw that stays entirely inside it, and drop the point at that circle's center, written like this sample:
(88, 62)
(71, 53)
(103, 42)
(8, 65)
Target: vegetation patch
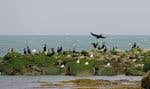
(108, 71)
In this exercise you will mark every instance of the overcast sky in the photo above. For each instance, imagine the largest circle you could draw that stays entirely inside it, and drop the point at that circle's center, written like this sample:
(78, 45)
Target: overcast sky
(55, 17)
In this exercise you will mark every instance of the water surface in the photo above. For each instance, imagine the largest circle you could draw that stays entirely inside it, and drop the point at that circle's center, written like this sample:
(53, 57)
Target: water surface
(80, 42)
(33, 82)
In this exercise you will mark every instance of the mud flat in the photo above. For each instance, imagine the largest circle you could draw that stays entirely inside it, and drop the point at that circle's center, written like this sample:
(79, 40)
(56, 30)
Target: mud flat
(70, 82)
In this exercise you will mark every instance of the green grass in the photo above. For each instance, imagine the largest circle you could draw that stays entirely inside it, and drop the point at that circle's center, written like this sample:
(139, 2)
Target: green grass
(81, 69)
(133, 72)
(108, 71)
(146, 65)
(18, 64)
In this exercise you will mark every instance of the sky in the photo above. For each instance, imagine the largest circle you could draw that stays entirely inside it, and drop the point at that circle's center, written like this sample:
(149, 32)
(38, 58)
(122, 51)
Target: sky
(76, 17)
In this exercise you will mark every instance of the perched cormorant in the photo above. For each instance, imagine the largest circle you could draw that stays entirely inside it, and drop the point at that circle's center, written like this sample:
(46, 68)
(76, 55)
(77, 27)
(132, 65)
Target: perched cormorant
(105, 49)
(99, 47)
(59, 49)
(12, 49)
(134, 45)
(44, 48)
(53, 51)
(28, 50)
(74, 51)
(103, 46)
(25, 51)
(97, 36)
(95, 45)
(50, 52)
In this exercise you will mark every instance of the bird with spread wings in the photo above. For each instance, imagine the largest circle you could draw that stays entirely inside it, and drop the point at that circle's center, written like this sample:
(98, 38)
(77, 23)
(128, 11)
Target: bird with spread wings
(97, 36)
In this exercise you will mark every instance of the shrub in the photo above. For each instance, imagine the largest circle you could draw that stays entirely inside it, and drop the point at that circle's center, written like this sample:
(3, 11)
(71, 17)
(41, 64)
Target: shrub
(133, 72)
(80, 69)
(108, 71)
(53, 70)
(85, 53)
(146, 66)
(12, 55)
(14, 67)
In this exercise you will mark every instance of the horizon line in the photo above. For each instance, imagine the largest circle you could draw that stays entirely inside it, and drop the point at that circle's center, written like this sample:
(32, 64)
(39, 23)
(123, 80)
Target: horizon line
(71, 34)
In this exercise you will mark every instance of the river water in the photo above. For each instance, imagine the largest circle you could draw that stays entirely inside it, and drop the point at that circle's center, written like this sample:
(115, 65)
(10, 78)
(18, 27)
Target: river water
(33, 82)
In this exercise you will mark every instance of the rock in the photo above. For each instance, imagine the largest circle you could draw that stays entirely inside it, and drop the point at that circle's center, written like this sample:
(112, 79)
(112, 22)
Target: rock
(68, 56)
(139, 65)
(119, 50)
(145, 82)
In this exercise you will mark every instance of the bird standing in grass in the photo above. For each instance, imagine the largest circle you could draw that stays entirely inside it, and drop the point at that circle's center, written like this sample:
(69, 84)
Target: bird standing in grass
(86, 63)
(59, 49)
(95, 45)
(28, 50)
(34, 51)
(25, 51)
(78, 61)
(62, 66)
(44, 48)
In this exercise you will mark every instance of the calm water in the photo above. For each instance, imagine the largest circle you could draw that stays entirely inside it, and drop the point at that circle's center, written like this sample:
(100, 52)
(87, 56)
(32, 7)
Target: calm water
(69, 42)
(34, 82)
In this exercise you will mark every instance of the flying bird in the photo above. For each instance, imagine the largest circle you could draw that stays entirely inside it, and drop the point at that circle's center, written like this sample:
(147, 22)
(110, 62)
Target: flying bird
(97, 36)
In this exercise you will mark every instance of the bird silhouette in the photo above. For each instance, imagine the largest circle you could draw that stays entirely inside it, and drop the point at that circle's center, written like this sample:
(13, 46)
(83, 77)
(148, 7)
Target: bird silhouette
(59, 49)
(97, 36)
(105, 49)
(53, 51)
(44, 48)
(103, 46)
(135, 45)
(74, 51)
(95, 45)
(24, 51)
(28, 50)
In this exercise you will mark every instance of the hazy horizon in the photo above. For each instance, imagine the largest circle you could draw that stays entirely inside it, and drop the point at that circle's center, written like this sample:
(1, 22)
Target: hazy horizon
(78, 17)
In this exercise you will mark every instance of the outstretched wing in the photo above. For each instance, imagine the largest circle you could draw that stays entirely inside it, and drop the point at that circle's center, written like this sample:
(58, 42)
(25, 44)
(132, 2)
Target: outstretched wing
(101, 36)
(98, 36)
(95, 35)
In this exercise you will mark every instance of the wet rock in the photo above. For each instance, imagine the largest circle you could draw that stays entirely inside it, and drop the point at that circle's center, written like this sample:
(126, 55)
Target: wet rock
(145, 82)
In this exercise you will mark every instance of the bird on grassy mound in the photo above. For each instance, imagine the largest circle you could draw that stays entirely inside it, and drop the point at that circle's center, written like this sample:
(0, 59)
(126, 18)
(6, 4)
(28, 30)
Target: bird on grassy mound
(44, 48)
(59, 49)
(95, 45)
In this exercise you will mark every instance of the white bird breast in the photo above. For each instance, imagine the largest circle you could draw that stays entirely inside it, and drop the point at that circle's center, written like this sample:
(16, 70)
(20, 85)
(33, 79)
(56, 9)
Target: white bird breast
(62, 66)
(78, 61)
(34, 50)
(86, 63)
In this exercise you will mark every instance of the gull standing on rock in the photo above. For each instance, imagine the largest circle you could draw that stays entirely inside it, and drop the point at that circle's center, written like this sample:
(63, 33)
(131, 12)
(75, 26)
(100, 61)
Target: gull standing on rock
(78, 61)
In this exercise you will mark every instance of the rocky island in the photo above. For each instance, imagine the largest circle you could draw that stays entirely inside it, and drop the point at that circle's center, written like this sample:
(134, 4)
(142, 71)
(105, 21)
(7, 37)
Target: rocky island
(98, 62)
